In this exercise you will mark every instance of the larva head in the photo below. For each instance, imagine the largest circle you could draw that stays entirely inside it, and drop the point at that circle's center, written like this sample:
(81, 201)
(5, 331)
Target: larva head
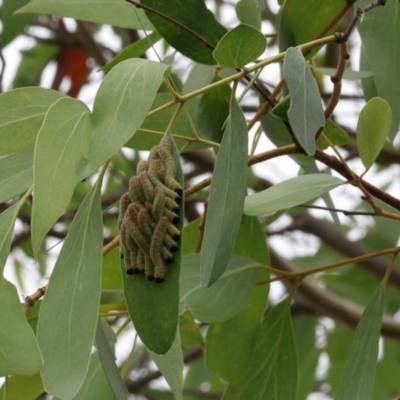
(169, 260)
(165, 142)
(130, 271)
(174, 248)
(150, 278)
(158, 280)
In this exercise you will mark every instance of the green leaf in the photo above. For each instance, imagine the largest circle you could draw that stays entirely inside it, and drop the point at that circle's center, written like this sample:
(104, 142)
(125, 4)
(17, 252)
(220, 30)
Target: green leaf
(113, 12)
(62, 142)
(272, 371)
(229, 343)
(227, 192)
(306, 114)
(348, 73)
(121, 105)
(221, 301)
(249, 12)
(290, 193)
(21, 116)
(336, 134)
(16, 174)
(19, 351)
(69, 312)
(95, 385)
(359, 373)
(240, 46)
(307, 354)
(23, 387)
(306, 20)
(12, 25)
(134, 50)
(212, 112)
(189, 331)
(33, 62)
(171, 366)
(154, 307)
(107, 359)
(197, 17)
(372, 129)
(380, 33)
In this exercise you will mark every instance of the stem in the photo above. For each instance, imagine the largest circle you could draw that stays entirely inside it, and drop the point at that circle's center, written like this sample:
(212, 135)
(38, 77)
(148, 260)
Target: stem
(390, 269)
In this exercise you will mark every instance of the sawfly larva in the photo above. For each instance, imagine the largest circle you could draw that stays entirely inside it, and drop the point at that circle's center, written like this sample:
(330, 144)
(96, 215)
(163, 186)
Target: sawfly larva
(135, 189)
(156, 247)
(140, 261)
(174, 218)
(123, 205)
(140, 239)
(158, 206)
(143, 223)
(170, 243)
(141, 166)
(154, 167)
(147, 187)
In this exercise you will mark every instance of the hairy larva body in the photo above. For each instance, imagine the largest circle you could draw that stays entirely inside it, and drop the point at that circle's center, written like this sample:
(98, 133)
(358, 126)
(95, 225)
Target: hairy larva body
(138, 236)
(141, 166)
(123, 205)
(147, 187)
(135, 190)
(156, 247)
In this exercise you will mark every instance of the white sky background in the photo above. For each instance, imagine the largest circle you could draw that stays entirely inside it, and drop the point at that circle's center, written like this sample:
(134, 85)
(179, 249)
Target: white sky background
(271, 170)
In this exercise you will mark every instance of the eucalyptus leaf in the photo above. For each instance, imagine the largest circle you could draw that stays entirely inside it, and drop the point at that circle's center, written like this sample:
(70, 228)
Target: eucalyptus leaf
(272, 371)
(69, 312)
(16, 174)
(239, 46)
(222, 300)
(249, 12)
(171, 366)
(62, 142)
(19, 351)
(108, 362)
(182, 11)
(372, 129)
(228, 188)
(290, 193)
(121, 105)
(359, 373)
(21, 115)
(113, 12)
(380, 32)
(306, 114)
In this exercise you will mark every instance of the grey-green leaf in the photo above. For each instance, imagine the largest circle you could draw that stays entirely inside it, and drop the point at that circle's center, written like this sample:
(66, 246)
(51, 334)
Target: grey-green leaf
(107, 359)
(21, 116)
(19, 351)
(306, 114)
(136, 49)
(171, 366)
(69, 312)
(372, 129)
(113, 12)
(16, 174)
(240, 46)
(290, 193)
(225, 298)
(380, 33)
(227, 192)
(121, 105)
(249, 12)
(359, 373)
(63, 141)
(272, 371)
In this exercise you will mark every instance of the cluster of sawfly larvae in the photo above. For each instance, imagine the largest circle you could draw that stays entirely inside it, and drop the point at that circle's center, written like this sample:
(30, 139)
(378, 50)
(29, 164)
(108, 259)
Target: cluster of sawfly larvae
(148, 214)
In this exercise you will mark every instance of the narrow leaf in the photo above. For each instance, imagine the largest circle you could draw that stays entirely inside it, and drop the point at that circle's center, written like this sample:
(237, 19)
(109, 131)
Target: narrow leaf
(107, 359)
(249, 12)
(372, 129)
(359, 373)
(272, 371)
(113, 12)
(222, 300)
(290, 193)
(23, 387)
(212, 112)
(136, 49)
(16, 174)
(62, 142)
(380, 34)
(154, 307)
(227, 192)
(19, 351)
(306, 114)
(229, 343)
(171, 366)
(69, 312)
(121, 105)
(189, 13)
(240, 46)
(21, 116)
